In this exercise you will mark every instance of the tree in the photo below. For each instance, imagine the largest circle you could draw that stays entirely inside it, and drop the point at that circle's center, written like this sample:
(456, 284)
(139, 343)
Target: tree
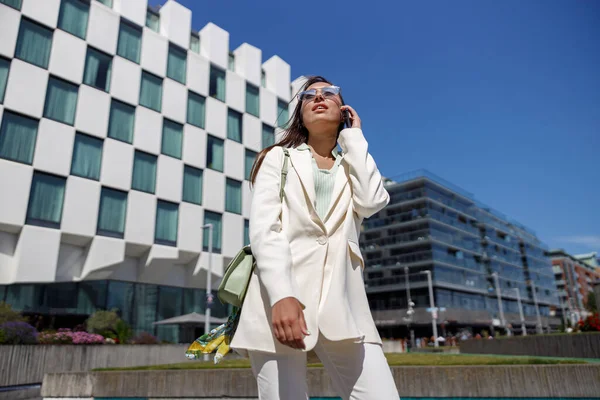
(591, 303)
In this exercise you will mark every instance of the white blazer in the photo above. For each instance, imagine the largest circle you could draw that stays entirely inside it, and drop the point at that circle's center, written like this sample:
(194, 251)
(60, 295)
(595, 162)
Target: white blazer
(299, 255)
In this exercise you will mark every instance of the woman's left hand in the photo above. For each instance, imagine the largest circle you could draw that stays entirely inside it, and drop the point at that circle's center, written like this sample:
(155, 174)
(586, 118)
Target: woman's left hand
(354, 118)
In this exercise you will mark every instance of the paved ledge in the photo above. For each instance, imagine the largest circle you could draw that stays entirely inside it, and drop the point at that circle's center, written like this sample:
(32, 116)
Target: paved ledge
(548, 381)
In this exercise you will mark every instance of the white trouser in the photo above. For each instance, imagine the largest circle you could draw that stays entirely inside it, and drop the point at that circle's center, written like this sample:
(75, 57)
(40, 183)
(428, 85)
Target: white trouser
(358, 371)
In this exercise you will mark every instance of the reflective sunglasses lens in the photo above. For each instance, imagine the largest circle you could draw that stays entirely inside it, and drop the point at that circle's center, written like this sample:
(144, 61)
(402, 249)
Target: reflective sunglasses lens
(331, 91)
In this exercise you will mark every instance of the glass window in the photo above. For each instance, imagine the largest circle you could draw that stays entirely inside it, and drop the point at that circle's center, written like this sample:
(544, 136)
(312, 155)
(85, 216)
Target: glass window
(144, 308)
(172, 137)
(176, 64)
(246, 232)
(252, 100)
(234, 126)
(34, 43)
(121, 121)
(192, 185)
(196, 110)
(233, 196)
(4, 68)
(153, 21)
(97, 69)
(231, 62)
(107, 3)
(46, 200)
(91, 296)
(170, 304)
(263, 79)
(216, 220)
(214, 153)
(151, 91)
(111, 216)
(144, 172)
(249, 158)
(120, 297)
(268, 136)
(61, 101)
(195, 43)
(217, 83)
(12, 3)
(73, 17)
(17, 137)
(130, 42)
(282, 113)
(87, 157)
(166, 223)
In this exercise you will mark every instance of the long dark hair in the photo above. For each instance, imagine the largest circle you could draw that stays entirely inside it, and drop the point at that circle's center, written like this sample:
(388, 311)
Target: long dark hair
(295, 132)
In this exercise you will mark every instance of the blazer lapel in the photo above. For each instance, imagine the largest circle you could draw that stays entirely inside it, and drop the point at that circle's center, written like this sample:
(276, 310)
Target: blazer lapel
(341, 179)
(302, 162)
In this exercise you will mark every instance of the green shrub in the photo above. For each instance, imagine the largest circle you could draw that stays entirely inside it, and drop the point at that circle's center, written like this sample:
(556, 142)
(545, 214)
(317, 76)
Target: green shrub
(103, 322)
(123, 332)
(7, 314)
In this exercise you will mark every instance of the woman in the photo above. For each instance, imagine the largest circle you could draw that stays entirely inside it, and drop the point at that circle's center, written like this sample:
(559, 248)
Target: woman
(307, 291)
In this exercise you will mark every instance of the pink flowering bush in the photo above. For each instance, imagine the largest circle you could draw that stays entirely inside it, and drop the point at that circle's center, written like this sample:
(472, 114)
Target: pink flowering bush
(66, 336)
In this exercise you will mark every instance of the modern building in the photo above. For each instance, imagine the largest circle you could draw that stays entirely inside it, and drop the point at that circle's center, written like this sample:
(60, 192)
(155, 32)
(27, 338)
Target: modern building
(433, 225)
(590, 259)
(575, 279)
(122, 133)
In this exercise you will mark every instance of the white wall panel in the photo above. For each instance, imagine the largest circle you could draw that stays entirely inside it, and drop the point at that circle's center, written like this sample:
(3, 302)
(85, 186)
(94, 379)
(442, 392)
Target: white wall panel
(141, 215)
(148, 130)
(176, 23)
(125, 81)
(252, 132)
(26, 88)
(117, 164)
(216, 117)
(15, 181)
(104, 252)
(234, 163)
(174, 103)
(154, 52)
(248, 60)
(213, 192)
(194, 146)
(191, 219)
(246, 199)
(169, 178)
(54, 147)
(9, 30)
(103, 28)
(236, 91)
(278, 74)
(268, 106)
(8, 245)
(93, 111)
(67, 58)
(133, 10)
(214, 44)
(37, 254)
(198, 70)
(70, 261)
(45, 11)
(233, 234)
(80, 211)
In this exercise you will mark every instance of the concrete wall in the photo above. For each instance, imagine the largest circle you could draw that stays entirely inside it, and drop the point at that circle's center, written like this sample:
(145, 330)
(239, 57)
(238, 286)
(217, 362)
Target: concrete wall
(547, 381)
(575, 345)
(22, 365)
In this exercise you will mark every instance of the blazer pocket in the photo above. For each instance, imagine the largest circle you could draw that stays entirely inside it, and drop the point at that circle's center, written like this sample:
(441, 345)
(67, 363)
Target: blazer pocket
(355, 252)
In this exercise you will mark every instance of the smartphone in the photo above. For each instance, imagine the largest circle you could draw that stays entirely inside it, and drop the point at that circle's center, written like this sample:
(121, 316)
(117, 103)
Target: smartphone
(347, 120)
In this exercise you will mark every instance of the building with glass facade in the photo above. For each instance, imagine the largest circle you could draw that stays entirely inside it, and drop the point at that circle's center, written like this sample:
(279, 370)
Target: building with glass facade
(122, 133)
(431, 224)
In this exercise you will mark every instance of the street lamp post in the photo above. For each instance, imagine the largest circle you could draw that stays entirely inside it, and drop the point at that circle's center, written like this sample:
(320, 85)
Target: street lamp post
(537, 310)
(208, 302)
(500, 308)
(523, 326)
(410, 311)
(433, 309)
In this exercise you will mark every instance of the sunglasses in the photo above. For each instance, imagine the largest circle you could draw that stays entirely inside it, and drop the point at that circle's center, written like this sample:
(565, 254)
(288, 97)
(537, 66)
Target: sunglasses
(328, 92)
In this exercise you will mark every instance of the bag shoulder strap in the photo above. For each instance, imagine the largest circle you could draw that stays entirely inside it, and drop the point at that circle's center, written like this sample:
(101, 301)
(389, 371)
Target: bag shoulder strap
(284, 171)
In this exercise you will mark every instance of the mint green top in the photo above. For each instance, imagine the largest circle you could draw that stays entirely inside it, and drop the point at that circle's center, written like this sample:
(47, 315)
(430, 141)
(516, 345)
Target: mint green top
(324, 180)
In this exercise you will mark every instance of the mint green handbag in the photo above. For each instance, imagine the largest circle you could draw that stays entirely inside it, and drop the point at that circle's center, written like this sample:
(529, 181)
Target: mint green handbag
(234, 284)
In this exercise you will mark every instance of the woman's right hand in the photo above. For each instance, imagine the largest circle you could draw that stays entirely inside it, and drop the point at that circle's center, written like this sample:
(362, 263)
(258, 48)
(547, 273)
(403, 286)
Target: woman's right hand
(289, 325)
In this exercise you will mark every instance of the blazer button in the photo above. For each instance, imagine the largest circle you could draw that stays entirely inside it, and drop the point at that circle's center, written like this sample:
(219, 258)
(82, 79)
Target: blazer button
(322, 239)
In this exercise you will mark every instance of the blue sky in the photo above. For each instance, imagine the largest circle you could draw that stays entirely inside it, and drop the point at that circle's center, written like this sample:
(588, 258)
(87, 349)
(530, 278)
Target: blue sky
(501, 98)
